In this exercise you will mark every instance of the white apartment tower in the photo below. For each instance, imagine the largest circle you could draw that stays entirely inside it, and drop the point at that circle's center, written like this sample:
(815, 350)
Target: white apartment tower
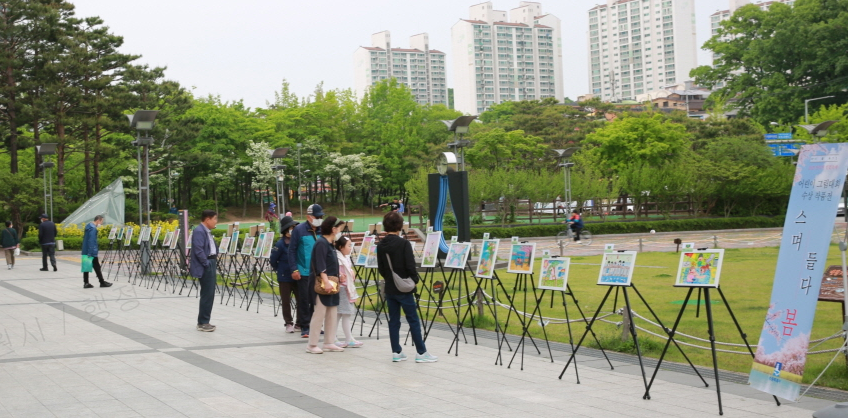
(498, 59)
(420, 68)
(636, 46)
(720, 15)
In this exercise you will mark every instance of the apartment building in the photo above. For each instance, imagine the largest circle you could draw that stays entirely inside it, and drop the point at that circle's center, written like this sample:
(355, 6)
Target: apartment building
(500, 56)
(418, 67)
(637, 46)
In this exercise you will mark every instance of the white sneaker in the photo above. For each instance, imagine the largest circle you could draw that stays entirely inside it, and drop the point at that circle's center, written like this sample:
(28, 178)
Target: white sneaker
(426, 358)
(396, 357)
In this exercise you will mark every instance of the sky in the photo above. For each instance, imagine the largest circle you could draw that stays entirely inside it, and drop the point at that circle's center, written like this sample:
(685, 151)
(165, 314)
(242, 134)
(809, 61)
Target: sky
(243, 50)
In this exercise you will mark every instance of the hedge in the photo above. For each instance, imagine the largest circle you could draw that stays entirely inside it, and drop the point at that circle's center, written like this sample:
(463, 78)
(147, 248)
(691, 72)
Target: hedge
(70, 243)
(603, 228)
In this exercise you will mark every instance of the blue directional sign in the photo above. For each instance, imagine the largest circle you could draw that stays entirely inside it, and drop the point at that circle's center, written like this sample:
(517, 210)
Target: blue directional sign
(771, 136)
(784, 150)
(784, 135)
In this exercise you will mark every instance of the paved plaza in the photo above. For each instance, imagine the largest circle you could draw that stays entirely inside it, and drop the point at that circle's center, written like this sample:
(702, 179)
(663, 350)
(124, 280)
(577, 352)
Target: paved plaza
(133, 351)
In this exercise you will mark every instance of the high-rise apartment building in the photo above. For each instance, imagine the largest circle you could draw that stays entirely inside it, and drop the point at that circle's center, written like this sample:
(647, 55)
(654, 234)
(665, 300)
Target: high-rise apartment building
(498, 59)
(636, 46)
(418, 67)
(720, 15)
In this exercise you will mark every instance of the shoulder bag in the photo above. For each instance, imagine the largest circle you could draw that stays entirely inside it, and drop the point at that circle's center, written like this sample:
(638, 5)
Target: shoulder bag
(404, 285)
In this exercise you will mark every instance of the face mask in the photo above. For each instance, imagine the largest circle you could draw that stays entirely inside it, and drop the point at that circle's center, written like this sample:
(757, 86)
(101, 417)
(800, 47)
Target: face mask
(317, 223)
(338, 236)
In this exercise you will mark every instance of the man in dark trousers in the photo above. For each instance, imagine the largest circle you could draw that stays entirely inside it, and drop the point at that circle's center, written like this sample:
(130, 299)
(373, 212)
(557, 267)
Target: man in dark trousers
(47, 238)
(204, 266)
(90, 248)
(303, 238)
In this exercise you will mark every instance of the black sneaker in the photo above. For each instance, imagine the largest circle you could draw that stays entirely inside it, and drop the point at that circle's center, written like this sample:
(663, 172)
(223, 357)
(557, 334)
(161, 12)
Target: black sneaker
(87, 286)
(43, 270)
(105, 284)
(54, 268)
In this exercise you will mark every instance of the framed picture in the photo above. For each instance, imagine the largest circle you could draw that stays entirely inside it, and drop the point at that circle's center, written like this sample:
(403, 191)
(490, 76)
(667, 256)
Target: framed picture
(454, 239)
(190, 236)
(144, 235)
(553, 273)
(247, 246)
(617, 268)
(364, 250)
(485, 235)
(371, 261)
(234, 242)
(608, 248)
(431, 249)
(258, 250)
(128, 237)
(224, 246)
(488, 258)
(113, 232)
(514, 240)
(176, 239)
(268, 244)
(458, 255)
(699, 268)
(156, 236)
(521, 257)
(166, 242)
(121, 233)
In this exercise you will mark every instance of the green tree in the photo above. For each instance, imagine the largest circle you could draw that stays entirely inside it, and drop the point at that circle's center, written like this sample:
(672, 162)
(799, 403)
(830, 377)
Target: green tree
(651, 140)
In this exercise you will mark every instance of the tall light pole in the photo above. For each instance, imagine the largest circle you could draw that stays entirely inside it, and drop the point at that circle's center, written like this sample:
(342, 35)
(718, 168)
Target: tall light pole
(806, 107)
(566, 165)
(459, 126)
(278, 154)
(142, 120)
(46, 150)
(299, 179)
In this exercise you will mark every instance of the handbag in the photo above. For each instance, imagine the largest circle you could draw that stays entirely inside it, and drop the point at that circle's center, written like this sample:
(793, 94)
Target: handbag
(404, 285)
(17, 252)
(319, 285)
(87, 262)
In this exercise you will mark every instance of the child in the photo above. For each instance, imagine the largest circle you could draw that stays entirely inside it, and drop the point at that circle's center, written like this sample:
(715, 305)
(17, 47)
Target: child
(347, 293)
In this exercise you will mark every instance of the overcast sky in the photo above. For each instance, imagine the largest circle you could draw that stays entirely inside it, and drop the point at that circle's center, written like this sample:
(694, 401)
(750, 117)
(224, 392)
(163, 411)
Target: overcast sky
(244, 49)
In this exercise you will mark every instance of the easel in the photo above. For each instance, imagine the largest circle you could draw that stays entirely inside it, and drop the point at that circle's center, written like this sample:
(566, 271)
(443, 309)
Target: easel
(711, 330)
(500, 334)
(521, 281)
(469, 298)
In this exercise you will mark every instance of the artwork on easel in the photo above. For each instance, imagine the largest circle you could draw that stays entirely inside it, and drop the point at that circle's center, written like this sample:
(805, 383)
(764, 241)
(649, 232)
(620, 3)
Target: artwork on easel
(258, 250)
(699, 268)
(128, 237)
(247, 246)
(431, 249)
(267, 245)
(521, 258)
(364, 250)
(553, 273)
(190, 237)
(156, 236)
(488, 258)
(458, 255)
(144, 235)
(121, 233)
(371, 261)
(113, 232)
(617, 268)
(176, 239)
(166, 242)
(234, 242)
(224, 245)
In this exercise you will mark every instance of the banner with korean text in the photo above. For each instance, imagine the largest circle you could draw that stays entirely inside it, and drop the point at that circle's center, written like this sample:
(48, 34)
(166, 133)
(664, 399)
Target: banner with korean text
(782, 349)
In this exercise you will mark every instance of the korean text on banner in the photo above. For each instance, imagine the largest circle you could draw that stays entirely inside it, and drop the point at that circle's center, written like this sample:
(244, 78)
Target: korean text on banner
(782, 349)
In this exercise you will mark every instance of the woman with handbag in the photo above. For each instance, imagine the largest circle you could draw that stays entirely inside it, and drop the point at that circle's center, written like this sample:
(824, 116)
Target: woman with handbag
(395, 258)
(324, 279)
(10, 243)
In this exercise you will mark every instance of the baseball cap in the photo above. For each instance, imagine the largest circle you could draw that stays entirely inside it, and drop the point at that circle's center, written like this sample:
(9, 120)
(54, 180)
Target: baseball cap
(315, 210)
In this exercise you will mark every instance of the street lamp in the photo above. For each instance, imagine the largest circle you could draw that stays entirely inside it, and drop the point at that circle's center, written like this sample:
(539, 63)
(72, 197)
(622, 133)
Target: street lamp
(806, 111)
(299, 179)
(278, 154)
(45, 150)
(143, 120)
(566, 165)
(459, 127)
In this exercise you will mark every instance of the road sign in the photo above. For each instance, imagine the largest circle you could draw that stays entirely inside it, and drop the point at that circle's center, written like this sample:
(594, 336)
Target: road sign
(771, 136)
(784, 150)
(784, 135)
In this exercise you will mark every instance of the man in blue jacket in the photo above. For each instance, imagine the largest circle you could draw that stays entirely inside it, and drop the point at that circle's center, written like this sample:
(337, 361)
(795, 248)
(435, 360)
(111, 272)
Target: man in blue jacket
(90, 248)
(300, 255)
(204, 266)
(280, 261)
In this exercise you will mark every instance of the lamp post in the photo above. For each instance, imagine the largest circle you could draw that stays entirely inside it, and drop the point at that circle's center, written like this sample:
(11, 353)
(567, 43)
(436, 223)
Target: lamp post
(46, 150)
(278, 154)
(806, 107)
(299, 179)
(566, 165)
(143, 120)
(459, 126)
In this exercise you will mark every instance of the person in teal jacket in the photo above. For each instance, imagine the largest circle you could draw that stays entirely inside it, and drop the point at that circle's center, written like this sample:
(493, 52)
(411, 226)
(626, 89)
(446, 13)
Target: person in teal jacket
(90, 248)
(303, 238)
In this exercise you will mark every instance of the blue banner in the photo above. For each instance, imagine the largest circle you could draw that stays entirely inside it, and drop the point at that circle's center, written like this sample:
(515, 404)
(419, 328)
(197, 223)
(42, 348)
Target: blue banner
(782, 349)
